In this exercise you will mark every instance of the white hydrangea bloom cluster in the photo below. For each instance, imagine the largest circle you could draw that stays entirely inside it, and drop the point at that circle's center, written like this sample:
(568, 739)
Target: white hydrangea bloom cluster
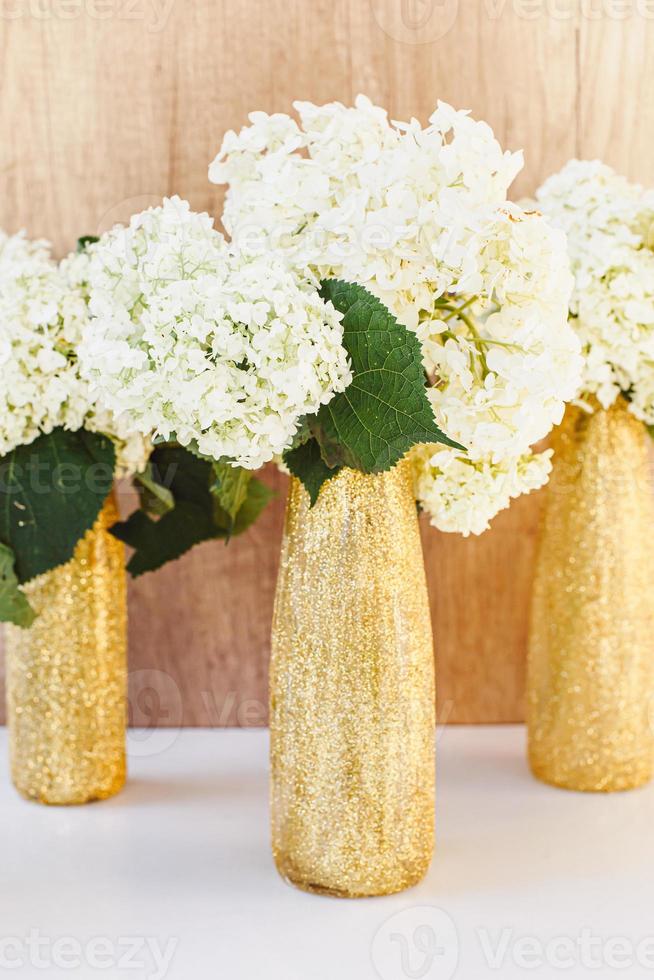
(39, 385)
(467, 495)
(420, 217)
(133, 448)
(190, 340)
(43, 311)
(609, 223)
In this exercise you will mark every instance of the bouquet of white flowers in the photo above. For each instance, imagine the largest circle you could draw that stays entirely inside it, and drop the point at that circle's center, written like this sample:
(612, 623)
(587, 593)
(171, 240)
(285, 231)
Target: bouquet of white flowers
(58, 449)
(227, 360)
(609, 223)
(419, 217)
(190, 342)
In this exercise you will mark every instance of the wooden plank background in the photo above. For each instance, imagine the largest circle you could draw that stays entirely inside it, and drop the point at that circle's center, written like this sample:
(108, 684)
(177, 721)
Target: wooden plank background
(107, 105)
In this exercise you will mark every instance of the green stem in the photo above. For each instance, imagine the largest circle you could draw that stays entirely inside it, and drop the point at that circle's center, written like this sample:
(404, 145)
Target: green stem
(480, 342)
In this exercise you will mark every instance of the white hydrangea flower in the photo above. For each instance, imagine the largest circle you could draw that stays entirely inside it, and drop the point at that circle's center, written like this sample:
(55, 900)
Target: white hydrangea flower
(43, 312)
(609, 223)
(191, 340)
(132, 447)
(463, 495)
(39, 385)
(419, 216)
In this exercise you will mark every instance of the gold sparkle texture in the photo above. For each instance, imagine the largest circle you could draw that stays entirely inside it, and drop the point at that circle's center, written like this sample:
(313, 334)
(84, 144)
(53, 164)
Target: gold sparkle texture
(67, 676)
(352, 690)
(591, 648)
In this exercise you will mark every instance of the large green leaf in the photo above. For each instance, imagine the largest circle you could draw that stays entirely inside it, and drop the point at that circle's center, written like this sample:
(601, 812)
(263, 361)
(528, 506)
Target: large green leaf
(196, 515)
(51, 493)
(385, 410)
(306, 463)
(158, 542)
(14, 606)
(188, 521)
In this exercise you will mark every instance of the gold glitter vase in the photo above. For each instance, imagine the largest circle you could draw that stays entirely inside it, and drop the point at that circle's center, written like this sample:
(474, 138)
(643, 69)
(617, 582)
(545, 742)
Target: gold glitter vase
(591, 649)
(67, 676)
(352, 690)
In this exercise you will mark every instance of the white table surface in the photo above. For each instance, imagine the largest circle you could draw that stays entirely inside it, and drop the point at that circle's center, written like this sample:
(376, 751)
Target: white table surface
(173, 878)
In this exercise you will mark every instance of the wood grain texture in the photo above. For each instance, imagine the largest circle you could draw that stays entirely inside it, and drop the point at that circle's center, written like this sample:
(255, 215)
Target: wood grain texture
(615, 109)
(106, 107)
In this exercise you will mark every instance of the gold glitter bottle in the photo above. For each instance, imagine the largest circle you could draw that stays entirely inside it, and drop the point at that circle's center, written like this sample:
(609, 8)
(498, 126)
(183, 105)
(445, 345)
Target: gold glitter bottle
(352, 690)
(67, 675)
(591, 650)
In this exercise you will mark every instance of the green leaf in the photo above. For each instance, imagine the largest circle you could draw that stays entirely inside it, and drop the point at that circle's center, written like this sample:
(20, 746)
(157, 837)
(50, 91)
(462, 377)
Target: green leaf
(230, 488)
(257, 498)
(190, 447)
(158, 542)
(195, 517)
(306, 463)
(14, 606)
(85, 240)
(186, 478)
(155, 498)
(384, 410)
(51, 493)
